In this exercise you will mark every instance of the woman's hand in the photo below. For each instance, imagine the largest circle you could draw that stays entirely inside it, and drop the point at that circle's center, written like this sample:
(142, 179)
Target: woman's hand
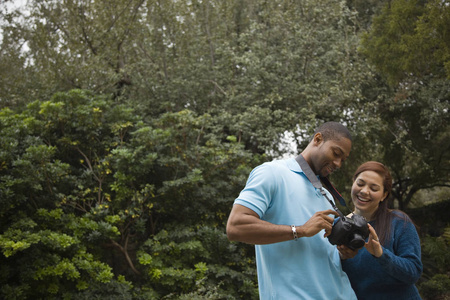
(373, 244)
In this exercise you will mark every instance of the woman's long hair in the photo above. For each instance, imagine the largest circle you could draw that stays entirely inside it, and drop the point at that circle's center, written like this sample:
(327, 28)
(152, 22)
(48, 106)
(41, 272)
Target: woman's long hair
(383, 215)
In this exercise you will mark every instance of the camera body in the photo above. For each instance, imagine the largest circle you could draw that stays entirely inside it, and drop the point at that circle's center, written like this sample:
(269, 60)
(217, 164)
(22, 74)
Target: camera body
(351, 232)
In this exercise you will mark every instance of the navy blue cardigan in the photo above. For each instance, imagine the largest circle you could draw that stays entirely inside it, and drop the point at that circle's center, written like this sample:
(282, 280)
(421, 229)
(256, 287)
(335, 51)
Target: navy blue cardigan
(393, 275)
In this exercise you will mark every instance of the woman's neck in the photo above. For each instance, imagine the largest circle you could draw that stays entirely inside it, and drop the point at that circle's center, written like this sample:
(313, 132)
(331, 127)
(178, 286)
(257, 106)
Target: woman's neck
(367, 216)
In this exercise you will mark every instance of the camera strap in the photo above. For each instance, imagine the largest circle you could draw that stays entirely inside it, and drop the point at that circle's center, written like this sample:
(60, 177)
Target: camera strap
(318, 185)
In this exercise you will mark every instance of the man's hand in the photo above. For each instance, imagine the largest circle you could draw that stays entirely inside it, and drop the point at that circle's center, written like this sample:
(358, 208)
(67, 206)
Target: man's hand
(320, 220)
(346, 253)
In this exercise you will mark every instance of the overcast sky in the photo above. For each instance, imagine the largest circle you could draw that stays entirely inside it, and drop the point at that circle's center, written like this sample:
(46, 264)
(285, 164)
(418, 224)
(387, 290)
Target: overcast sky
(10, 6)
(15, 4)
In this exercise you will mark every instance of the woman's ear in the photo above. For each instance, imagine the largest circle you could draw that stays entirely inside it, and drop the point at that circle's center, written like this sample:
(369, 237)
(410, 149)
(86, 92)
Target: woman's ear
(385, 195)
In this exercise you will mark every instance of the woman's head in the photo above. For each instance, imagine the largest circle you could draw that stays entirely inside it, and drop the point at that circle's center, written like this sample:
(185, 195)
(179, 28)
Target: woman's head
(372, 184)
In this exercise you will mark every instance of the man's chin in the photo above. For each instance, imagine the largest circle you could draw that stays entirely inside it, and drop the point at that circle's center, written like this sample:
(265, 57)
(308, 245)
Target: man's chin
(325, 173)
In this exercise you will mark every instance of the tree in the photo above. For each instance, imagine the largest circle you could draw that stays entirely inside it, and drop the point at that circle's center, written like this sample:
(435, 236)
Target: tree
(280, 62)
(407, 45)
(83, 178)
(138, 175)
(45, 249)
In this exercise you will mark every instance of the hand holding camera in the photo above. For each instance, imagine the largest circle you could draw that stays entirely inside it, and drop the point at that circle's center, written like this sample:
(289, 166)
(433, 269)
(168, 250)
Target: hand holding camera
(374, 245)
(351, 232)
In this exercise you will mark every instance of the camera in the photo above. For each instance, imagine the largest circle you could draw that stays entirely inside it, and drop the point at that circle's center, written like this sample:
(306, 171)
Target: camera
(351, 232)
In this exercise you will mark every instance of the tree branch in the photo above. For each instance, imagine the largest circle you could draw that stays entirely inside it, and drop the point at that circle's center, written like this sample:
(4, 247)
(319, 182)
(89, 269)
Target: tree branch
(124, 250)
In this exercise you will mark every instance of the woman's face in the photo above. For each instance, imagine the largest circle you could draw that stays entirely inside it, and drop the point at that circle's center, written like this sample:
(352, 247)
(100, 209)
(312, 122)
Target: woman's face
(367, 193)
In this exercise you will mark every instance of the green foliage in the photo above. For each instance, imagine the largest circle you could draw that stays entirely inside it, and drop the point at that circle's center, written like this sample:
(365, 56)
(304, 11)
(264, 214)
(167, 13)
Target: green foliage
(415, 145)
(410, 37)
(45, 248)
(407, 45)
(284, 64)
(437, 254)
(194, 260)
(436, 260)
(123, 143)
(438, 287)
(98, 177)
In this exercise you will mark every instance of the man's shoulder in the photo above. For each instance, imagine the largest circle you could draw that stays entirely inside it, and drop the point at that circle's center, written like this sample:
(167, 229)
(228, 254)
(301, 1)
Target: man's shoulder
(280, 163)
(278, 166)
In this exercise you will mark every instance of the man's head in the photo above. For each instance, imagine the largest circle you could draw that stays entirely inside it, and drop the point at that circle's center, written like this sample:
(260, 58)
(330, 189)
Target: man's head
(329, 148)
(333, 130)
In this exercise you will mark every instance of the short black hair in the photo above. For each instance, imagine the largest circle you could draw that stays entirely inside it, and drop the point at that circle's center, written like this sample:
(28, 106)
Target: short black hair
(333, 131)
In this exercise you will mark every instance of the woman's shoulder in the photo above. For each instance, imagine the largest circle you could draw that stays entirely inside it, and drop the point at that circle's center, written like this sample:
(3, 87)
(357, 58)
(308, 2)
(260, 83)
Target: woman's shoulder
(400, 215)
(400, 218)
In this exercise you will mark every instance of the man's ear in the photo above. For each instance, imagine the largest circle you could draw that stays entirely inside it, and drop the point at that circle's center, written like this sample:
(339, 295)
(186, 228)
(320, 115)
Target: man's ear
(318, 138)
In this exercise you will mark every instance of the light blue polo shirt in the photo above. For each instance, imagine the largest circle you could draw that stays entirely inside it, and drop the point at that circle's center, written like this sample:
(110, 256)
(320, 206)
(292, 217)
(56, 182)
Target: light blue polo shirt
(308, 268)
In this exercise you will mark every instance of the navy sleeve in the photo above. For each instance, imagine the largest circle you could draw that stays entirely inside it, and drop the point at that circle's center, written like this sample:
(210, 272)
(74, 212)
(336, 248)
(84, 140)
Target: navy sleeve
(404, 262)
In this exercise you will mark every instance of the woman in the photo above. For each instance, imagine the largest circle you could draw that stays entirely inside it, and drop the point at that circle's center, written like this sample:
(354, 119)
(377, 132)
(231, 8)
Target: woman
(389, 264)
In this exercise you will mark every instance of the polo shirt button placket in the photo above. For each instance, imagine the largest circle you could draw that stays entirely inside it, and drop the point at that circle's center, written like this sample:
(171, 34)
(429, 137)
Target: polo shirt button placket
(318, 193)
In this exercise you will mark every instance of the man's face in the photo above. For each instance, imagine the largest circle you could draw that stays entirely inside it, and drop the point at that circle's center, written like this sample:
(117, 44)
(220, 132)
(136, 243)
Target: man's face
(330, 155)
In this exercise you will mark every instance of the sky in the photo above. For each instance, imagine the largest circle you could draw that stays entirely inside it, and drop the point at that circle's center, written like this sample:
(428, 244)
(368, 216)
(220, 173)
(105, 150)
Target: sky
(11, 6)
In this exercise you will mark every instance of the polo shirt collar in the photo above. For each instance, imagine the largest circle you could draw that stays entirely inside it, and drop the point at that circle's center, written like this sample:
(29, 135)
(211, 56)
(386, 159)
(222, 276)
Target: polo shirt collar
(294, 166)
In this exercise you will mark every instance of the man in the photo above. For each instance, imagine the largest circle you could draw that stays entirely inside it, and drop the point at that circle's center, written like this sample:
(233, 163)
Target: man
(281, 212)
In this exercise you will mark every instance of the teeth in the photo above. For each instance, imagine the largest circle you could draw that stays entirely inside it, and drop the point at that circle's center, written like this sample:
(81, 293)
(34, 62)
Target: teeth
(363, 200)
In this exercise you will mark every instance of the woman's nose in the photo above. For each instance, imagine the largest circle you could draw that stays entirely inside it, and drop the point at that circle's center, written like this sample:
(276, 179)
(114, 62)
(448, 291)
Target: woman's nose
(365, 190)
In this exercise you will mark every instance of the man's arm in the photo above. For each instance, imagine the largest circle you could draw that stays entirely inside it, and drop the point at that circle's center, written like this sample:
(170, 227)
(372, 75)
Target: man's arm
(244, 225)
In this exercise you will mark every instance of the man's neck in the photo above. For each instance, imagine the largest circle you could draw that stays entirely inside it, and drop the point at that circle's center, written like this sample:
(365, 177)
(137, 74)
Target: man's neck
(306, 155)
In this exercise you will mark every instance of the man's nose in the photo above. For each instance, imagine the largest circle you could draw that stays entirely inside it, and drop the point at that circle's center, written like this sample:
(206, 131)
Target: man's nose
(337, 163)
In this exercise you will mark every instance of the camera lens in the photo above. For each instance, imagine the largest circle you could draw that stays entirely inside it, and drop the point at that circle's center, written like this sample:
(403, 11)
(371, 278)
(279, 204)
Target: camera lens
(356, 242)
